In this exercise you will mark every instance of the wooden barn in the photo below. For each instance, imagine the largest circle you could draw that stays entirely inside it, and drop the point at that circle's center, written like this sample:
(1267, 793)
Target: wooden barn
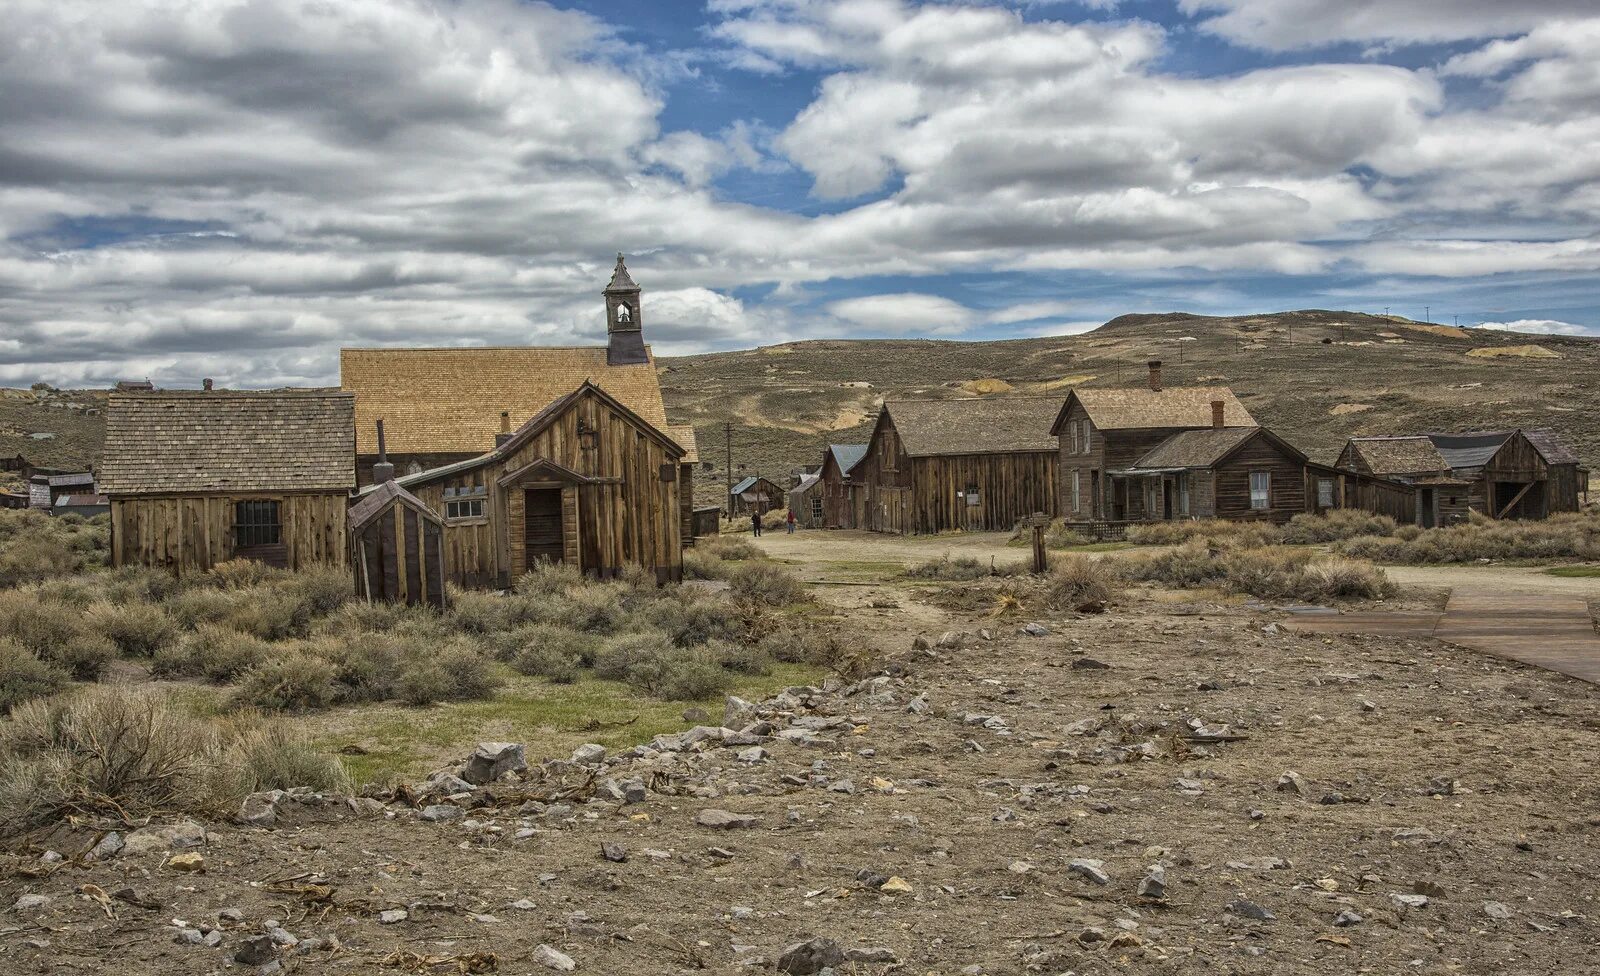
(1516, 474)
(198, 478)
(755, 494)
(444, 405)
(974, 464)
(1235, 473)
(805, 501)
(1103, 430)
(585, 481)
(838, 491)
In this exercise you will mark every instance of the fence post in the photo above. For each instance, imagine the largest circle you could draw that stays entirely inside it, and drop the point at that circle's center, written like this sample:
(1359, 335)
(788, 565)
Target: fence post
(1039, 522)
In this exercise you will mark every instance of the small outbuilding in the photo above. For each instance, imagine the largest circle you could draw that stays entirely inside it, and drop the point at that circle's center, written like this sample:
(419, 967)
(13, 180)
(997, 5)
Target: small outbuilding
(838, 490)
(976, 464)
(805, 501)
(397, 545)
(197, 478)
(755, 494)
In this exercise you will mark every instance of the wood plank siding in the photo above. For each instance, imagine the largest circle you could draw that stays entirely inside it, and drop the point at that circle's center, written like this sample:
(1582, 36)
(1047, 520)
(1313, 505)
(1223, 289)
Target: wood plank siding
(192, 533)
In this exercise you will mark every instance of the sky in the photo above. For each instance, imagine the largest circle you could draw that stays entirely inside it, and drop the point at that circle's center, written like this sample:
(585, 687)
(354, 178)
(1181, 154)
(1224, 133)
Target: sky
(237, 188)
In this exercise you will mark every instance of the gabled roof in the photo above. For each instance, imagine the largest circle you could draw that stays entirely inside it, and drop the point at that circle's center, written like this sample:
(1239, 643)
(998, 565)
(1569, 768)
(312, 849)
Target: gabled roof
(1141, 408)
(377, 499)
(536, 425)
(808, 481)
(448, 401)
(1206, 448)
(747, 484)
(847, 456)
(229, 440)
(684, 435)
(1550, 444)
(1469, 450)
(70, 480)
(977, 425)
(1399, 455)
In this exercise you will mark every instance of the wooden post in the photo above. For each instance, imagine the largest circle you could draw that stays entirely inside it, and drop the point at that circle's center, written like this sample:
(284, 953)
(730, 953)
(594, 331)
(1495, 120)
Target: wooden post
(1039, 522)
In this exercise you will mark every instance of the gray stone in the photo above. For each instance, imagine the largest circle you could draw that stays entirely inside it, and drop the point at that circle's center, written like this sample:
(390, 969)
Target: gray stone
(523, 905)
(255, 951)
(442, 811)
(737, 713)
(872, 956)
(260, 809)
(393, 916)
(1348, 918)
(1495, 909)
(1090, 664)
(725, 819)
(754, 754)
(551, 958)
(588, 754)
(170, 837)
(1089, 868)
(446, 783)
(697, 715)
(613, 852)
(1154, 883)
(188, 936)
(109, 846)
(1290, 782)
(1250, 910)
(1408, 900)
(492, 760)
(30, 903)
(809, 957)
(1034, 630)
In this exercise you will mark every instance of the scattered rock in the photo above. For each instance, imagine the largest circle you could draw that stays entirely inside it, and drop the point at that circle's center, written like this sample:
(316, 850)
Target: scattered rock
(492, 760)
(1154, 883)
(872, 956)
(696, 714)
(811, 956)
(1034, 630)
(551, 958)
(108, 846)
(439, 812)
(1495, 909)
(1249, 909)
(393, 916)
(1089, 868)
(896, 886)
(589, 754)
(1348, 918)
(613, 852)
(1089, 664)
(725, 819)
(260, 809)
(257, 950)
(1408, 901)
(171, 837)
(30, 903)
(1290, 782)
(190, 862)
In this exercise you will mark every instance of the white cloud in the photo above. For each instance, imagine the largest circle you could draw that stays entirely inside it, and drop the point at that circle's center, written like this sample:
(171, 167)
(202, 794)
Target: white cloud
(1291, 24)
(905, 313)
(1539, 326)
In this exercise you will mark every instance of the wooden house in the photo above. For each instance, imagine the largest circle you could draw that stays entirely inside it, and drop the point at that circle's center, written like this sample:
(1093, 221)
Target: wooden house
(971, 464)
(444, 405)
(586, 481)
(1528, 474)
(198, 478)
(1235, 473)
(755, 494)
(805, 501)
(1103, 430)
(838, 491)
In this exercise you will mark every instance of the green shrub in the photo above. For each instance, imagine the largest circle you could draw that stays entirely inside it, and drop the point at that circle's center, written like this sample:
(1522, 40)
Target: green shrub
(765, 583)
(23, 677)
(366, 666)
(731, 548)
(548, 662)
(1343, 523)
(738, 658)
(541, 644)
(268, 612)
(548, 579)
(1075, 581)
(290, 682)
(478, 612)
(137, 629)
(55, 633)
(700, 563)
(678, 674)
(276, 756)
(454, 673)
(691, 616)
(213, 652)
(201, 605)
(1211, 530)
(1269, 573)
(596, 608)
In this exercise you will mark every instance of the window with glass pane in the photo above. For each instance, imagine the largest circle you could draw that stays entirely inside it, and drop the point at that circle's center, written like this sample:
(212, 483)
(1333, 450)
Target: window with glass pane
(1076, 495)
(255, 523)
(1260, 489)
(1325, 492)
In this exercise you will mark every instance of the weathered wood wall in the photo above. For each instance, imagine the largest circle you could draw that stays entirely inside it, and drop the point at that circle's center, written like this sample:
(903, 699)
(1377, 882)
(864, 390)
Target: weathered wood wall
(1287, 497)
(399, 557)
(192, 533)
(1011, 487)
(1107, 450)
(838, 505)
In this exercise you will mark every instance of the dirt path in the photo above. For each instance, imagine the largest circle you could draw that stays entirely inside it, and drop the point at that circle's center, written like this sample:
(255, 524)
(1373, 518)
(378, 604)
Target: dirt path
(855, 552)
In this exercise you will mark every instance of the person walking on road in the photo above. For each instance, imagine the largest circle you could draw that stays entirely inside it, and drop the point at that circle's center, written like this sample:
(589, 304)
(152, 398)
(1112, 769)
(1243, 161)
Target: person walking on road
(790, 521)
(755, 522)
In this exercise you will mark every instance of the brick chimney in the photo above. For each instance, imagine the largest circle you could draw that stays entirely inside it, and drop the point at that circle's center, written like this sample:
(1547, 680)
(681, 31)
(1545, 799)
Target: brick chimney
(382, 470)
(1155, 374)
(1216, 415)
(205, 384)
(624, 319)
(505, 428)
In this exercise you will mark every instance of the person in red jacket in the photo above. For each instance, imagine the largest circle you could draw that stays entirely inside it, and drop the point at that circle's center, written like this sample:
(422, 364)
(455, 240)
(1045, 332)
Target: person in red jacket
(790, 521)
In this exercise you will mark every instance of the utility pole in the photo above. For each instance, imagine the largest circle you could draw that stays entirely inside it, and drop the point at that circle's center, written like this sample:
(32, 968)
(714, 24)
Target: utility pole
(1386, 311)
(1427, 313)
(727, 490)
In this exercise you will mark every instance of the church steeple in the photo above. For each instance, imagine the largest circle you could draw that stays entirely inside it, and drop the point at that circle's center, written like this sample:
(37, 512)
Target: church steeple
(624, 323)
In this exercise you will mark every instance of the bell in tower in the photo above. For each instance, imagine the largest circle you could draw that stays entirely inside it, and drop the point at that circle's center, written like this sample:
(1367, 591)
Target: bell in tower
(624, 325)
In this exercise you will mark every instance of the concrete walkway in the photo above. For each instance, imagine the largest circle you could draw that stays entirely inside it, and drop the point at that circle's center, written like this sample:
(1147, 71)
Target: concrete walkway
(1553, 631)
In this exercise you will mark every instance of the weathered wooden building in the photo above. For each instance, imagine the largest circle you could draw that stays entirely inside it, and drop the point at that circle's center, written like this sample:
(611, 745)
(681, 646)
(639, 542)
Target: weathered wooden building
(971, 464)
(838, 490)
(1518, 474)
(444, 405)
(198, 478)
(755, 494)
(1235, 473)
(805, 501)
(397, 545)
(585, 481)
(1103, 430)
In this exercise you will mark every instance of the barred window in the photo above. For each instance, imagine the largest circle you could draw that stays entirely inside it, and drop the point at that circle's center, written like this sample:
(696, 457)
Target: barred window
(255, 523)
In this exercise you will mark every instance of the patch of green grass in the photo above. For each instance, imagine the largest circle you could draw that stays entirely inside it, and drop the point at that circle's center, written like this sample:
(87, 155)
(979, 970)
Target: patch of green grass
(397, 741)
(1574, 572)
(1097, 547)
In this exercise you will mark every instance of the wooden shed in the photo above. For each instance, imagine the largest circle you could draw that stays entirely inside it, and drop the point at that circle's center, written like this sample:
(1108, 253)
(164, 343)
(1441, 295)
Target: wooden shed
(198, 478)
(1234, 473)
(397, 546)
(805, 501)
(838, 489)
(755, 494)
(1103, 430)
(585, 481)
(979, 464)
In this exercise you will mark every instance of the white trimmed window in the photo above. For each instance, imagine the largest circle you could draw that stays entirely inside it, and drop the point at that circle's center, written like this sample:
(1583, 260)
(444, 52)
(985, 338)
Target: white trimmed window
(1325, 492)
(1077, 504)
(465, 502)
(1260, 489)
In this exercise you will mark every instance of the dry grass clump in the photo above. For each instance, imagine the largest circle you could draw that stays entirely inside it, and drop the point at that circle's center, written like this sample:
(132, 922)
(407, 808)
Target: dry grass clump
(128, 754)
(1058, 535)
(1568, 536)
(137, 629)
(700, 563)
(54, 633)
(24, 677)
(1078, 581)
(958, 569)
(1210, 530)
(35, 547)
(1269, 572)
(213, 652)
(1342, 523)
(731, 547)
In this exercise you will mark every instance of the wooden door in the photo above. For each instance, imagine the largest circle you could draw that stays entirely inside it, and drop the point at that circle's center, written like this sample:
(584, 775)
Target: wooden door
(1427, 511)
(542, 527)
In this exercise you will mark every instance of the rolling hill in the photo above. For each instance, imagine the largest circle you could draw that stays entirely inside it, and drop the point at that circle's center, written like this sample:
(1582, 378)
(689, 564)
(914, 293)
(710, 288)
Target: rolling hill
(1316, 376)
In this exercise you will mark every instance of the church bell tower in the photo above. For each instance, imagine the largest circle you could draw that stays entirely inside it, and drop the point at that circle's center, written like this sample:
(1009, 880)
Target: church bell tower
(624, 325)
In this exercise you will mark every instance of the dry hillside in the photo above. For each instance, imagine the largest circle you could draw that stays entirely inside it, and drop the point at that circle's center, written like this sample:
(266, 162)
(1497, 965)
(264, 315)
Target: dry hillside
(1316, 376)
